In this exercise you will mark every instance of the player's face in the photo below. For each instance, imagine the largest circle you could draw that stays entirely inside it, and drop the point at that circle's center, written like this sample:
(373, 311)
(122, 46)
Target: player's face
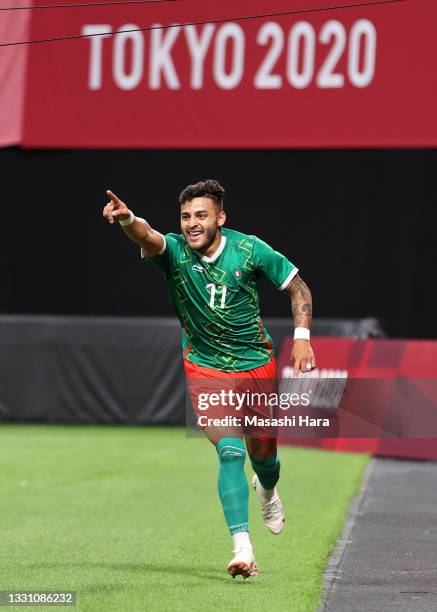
(200, 220)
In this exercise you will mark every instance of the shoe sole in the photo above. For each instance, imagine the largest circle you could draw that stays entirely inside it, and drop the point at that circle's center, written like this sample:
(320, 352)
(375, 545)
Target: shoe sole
(276, 532)
(242, 569)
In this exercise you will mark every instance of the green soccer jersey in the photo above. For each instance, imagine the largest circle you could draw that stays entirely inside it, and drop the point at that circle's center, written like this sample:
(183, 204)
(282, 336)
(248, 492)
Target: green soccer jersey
(217, 301)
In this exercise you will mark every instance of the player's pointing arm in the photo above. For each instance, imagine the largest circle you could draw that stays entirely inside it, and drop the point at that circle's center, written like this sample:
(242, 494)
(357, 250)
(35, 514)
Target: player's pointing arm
(135, 228)
(302, 355)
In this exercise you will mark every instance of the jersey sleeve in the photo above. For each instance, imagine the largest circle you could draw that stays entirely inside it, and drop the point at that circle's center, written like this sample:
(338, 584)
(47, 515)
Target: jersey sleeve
(166, 256)
(273, 265)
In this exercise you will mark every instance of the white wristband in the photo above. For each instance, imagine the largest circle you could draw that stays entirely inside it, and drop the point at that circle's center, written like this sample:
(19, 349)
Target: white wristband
(301, 333)
(129, 220)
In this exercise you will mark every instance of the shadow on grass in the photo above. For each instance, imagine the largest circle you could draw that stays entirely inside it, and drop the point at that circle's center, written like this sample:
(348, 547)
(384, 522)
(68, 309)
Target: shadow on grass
(202, 572)
(185, 570)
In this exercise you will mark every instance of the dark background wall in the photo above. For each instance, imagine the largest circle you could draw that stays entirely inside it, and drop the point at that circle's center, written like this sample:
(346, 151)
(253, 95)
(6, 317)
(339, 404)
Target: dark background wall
(359, 224)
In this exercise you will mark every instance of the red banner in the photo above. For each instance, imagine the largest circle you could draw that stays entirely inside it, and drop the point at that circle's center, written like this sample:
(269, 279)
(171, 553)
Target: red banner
(415, 360)
(14, 26)
(350, 77)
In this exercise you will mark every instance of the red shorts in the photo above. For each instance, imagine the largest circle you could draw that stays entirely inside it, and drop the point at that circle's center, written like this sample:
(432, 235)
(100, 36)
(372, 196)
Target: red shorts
(241, 400)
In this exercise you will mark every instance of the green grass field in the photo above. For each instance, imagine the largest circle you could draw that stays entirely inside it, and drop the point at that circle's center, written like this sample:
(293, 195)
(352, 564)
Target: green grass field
(129, 518)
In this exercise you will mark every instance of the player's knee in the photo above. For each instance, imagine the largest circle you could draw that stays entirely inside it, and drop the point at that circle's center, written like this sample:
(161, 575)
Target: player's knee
(231, 450)
(262, 449)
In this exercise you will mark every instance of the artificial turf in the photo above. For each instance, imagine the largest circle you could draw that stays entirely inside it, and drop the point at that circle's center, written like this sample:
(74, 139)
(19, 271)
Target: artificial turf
(129, 518)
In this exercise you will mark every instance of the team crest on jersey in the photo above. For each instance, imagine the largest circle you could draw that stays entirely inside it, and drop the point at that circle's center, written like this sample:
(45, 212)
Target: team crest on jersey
(237, 273)
(198, 268)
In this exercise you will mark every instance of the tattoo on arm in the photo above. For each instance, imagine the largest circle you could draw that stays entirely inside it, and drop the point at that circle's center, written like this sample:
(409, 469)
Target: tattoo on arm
(301, 301)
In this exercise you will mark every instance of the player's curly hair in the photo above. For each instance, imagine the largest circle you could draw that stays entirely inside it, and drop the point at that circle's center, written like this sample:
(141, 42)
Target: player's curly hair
(204, 189)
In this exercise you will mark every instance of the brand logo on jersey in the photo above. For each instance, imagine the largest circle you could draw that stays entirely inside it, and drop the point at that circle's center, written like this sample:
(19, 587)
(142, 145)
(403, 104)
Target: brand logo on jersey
(198, 268)
(237, 273)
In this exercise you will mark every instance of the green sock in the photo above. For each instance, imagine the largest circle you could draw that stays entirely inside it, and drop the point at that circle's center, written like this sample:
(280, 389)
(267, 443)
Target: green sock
(267, 471)
(232, 484)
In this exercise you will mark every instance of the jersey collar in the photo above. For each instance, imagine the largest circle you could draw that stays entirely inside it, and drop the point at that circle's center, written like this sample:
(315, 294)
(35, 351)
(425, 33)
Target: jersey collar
(218, 252)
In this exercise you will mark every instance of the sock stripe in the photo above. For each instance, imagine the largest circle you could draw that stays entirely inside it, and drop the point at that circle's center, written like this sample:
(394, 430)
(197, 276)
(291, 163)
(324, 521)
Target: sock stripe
(241, 451)
(239, 528)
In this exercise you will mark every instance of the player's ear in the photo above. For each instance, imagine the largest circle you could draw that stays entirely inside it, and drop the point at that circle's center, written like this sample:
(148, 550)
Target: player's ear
(221, 218)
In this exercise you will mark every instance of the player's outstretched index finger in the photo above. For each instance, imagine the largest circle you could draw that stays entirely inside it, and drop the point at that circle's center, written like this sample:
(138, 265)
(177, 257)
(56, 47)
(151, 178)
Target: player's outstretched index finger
(113, 197)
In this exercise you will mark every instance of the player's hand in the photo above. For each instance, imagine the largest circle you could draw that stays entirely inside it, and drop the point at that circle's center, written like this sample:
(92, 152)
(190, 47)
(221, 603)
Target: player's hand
(302, 356)
(115, 209)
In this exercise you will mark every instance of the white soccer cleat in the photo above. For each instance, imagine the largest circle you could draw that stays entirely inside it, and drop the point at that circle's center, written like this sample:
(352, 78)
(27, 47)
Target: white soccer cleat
(272, 510)
(243, 563)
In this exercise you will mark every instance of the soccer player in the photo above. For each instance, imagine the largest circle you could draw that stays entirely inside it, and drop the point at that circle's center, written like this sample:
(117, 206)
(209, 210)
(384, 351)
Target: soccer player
(212, 273)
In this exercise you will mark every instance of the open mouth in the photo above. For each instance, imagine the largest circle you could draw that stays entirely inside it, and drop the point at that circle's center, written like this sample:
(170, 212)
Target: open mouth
(194, 234)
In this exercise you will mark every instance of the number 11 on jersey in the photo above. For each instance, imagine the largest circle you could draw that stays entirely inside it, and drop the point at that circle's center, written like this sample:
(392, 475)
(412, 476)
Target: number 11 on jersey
(213, 291)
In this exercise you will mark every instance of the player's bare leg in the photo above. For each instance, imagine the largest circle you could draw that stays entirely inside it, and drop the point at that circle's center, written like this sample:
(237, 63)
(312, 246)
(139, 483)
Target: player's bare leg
(266, 465)
(234, 496)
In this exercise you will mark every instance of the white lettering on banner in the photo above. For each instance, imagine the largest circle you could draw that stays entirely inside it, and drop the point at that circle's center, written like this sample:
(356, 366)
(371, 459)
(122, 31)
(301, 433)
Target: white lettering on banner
(300, 49)
(123, 79)
(96, 33)
(161, 44)
(362, 29)
(227, 33)
(264, 79)
(301, 54)
(198, 47)
(326, 76)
